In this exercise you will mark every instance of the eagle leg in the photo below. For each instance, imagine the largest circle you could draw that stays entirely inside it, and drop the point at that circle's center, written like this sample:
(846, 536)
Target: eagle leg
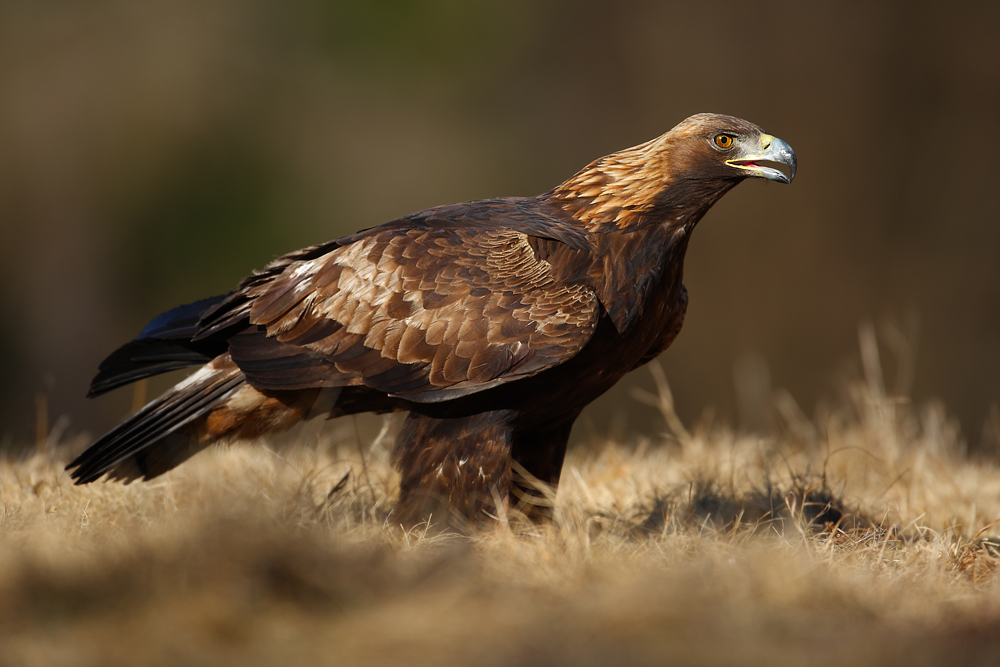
(537, 455)
(455, 470)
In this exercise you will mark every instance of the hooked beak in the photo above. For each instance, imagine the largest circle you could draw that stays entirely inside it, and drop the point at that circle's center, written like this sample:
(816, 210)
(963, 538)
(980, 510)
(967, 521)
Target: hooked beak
(772, 149)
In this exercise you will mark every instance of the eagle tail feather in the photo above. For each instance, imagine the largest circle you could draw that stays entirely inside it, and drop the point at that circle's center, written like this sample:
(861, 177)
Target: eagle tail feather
(148, 444)
(165, 344)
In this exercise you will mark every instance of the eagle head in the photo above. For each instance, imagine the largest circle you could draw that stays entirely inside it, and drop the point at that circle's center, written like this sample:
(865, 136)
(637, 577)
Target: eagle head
(731, 148)
(678, 175)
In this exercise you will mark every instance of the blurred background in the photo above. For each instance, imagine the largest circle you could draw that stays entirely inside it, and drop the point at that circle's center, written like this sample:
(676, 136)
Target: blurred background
(155, 153)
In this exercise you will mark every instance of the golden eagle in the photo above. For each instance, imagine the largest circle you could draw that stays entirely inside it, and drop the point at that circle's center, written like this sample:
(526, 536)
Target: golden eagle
(492, 323)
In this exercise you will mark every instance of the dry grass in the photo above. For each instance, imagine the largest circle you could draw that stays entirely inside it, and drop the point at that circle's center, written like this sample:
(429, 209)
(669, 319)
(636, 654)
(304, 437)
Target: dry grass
(864, 539)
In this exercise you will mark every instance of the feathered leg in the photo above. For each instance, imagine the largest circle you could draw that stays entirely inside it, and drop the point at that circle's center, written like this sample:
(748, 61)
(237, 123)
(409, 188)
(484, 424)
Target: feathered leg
(454, 471)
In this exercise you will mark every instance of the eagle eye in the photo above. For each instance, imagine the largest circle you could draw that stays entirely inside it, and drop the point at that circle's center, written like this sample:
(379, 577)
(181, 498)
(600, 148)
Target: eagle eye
(724, 141)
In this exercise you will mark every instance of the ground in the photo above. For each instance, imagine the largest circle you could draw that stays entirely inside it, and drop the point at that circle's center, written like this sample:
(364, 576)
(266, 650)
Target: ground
(862, 536)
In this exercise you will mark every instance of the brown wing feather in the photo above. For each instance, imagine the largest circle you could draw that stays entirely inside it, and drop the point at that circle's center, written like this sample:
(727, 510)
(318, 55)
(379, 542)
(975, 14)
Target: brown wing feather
(427, 312)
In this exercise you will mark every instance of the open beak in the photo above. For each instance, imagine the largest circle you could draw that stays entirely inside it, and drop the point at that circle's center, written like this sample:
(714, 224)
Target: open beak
(772, 149)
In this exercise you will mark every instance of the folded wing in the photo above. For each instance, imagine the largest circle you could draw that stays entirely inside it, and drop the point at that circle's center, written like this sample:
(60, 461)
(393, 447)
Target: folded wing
(428, 309)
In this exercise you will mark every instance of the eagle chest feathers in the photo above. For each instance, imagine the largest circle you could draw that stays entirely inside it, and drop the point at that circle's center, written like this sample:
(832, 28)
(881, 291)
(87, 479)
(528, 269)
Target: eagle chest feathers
(491, 323)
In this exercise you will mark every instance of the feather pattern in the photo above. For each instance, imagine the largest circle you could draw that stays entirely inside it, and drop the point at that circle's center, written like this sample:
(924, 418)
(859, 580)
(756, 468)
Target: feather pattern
(430, 310)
